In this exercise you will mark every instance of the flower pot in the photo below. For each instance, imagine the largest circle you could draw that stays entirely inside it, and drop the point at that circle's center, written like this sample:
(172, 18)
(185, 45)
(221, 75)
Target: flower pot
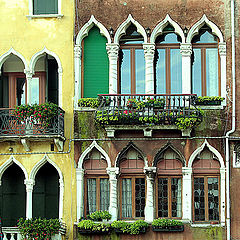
(168, 229)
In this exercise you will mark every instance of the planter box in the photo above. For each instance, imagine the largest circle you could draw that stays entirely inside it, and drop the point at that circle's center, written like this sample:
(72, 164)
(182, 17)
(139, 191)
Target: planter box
(118, 231)
(90, 232)
(210, 103)
(168, 229)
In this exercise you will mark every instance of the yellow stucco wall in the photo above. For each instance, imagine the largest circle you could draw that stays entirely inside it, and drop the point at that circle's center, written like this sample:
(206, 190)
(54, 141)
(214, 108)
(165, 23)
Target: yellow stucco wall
(27, 37)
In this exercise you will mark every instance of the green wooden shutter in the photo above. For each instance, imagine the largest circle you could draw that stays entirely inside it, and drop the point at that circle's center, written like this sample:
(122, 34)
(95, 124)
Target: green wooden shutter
(13, 196)
(46, 193)
(96, 64)
(45, 7)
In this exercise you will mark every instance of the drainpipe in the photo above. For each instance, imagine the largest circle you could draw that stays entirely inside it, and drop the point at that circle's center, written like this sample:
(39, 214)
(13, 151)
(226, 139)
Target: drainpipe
(228, 223)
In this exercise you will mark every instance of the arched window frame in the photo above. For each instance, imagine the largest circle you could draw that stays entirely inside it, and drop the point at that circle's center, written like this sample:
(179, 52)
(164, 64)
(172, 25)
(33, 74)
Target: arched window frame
(221, 184)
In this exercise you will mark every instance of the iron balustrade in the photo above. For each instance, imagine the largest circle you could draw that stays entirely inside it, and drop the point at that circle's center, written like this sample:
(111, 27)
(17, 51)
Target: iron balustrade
(11, 126)
(118, 109)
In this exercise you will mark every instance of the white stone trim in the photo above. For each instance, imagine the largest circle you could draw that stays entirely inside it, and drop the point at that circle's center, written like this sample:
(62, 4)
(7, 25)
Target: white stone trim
(8, 163)
(123, 27)
(61, 182)
(200, 149)
(30, 4)
(89, 149)
(35, 58)
(77, 73)
(222, 195)
(113, 206)
(159, 29)
(196, 27)
(12, 51)
(29, 189)
(222, 49)
(86, 28)
(80, 192)
(112, 51)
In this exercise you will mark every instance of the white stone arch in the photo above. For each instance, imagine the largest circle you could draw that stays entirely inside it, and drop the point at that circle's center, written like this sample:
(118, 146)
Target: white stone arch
(12, 51)
(35, 58)
(33, 174)
(194, 30)
(159, 29)
(123, 27)
(200, 149)
(87, 27)
(8, 163)
(89, 149)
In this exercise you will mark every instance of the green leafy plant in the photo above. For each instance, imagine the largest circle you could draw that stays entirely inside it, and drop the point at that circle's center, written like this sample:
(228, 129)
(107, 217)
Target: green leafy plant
(163, 222)
(131, 228)
(215, 100)
(37, 113)
(100, 215)
(93, 227)
(38, 229)
(89, 102)
(187, 122)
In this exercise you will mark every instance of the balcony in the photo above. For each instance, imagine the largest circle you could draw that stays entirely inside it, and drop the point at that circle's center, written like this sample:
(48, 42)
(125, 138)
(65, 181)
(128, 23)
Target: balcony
(148, 112)
(13, 129)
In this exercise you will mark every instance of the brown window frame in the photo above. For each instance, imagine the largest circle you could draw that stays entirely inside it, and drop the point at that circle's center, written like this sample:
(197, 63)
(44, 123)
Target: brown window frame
(132, 48)
(167, 47)
(12, 78)
(133, 178)
(169, 195)
(206, 197)
(203, 47)
(97, 191)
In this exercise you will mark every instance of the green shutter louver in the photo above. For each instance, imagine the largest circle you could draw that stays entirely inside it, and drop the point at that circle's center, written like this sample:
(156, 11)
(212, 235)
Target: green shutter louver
(45, 7)
(95, 65)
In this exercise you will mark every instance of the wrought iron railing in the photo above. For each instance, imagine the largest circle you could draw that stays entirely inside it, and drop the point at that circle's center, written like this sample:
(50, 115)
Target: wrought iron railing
(11, 126)
(156, 109)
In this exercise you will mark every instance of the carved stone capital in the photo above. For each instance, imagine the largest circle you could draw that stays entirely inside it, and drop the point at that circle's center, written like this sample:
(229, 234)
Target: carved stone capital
(29, 185)
(28, 73)
(112, 172)
(222, 49)
(112, 49)
(186, 171)
(80, 172)
(77, 51)
(149, 49)
(186, 49)
(150, 172)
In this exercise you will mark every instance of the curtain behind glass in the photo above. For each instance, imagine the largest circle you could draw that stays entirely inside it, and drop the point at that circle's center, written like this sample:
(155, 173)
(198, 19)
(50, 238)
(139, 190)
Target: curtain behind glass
(91, 195)
(126, 198)
(104, 194)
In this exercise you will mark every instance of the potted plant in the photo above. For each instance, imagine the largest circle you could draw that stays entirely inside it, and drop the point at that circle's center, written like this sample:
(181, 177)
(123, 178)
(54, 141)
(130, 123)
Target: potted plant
(91, 227)
(134, 228)
(215, 100)
(100, 215)
(89, 102)
(167, 225)
(38, 229)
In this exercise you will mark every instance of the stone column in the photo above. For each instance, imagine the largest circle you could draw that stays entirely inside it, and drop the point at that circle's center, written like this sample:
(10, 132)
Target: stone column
(186, 51)
(223, 52)
(80, 192)
(149, 208)
(112, 51)
(77, 70)
(113, 207)
(61, 192)
(187, 193)
(60, 74)
(29, 75)
(149, 51)
(222, 196)
(29, 189)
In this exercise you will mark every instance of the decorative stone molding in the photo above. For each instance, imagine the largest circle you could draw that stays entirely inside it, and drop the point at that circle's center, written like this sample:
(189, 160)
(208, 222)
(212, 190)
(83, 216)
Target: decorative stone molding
(26, 144)
(149, 50)
(29, 189)
(80, 191)
(236, 156)
(112, 49)
(113, 207)
(77, 51)
(186, 49)
(29, 185)
(222, 49)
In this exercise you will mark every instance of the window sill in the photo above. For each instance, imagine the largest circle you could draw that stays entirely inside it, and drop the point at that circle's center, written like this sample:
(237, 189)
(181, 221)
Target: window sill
(207, 225)
(45, 16)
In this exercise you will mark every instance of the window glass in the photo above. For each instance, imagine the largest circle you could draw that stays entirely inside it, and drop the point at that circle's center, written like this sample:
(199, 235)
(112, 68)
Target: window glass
(213, 199)
(45, 7)
(126, 198)
(196, 72)
(161, 72)
(139, 196)
(199, 199)
(126, 72)
(176, 198)
(104, 194)
(162, 197)
(205, 37)
(34, 91)
(21, 91)
(140, 71)
(212, 71)
(91, 195)
(176, 71)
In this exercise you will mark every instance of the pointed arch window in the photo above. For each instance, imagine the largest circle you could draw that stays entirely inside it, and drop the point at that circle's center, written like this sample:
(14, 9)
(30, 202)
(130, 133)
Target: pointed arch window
(96, 190)
(206, 188)
(131, 77)
(169, 185)
(168, 62)
(132, 185)
(205, 64)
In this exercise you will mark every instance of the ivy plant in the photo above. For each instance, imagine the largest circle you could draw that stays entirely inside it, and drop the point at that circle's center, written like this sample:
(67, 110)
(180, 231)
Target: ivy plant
(38, 228)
